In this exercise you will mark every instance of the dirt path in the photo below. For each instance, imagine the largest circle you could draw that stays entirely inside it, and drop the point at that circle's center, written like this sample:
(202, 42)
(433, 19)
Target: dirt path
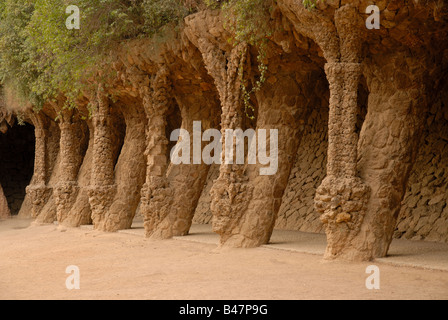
(33, 262)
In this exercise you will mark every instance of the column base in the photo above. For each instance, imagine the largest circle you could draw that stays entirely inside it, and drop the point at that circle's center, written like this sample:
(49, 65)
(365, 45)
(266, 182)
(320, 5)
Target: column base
(155, 207)
(100, 199)
(342, 202)
(39, 195)
(65, 194)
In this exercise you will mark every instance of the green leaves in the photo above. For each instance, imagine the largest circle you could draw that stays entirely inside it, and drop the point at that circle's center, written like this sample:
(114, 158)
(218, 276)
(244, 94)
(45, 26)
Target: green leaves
(40, 58)
(309, 4)
(248, 20)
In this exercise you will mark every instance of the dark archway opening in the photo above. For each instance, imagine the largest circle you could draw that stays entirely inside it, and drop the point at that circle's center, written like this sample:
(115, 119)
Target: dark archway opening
(17, 147)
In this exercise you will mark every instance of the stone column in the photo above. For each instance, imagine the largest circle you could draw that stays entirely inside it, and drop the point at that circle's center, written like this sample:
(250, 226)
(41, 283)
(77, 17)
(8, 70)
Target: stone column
(102, 188)
(80, 212)
(342, 197)
(156, 192)
(187, 180)
(72, 143)
(129, 170)
(231, 192)
(38, 191)
(4, 208)
(283, 106)
(389, 142)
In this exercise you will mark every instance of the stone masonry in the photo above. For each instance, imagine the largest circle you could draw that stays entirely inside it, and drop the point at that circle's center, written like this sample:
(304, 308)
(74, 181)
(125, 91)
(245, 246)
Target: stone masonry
(362, 120)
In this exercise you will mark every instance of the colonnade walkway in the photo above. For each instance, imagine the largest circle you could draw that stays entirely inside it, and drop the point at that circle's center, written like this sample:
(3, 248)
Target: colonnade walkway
(409, 253)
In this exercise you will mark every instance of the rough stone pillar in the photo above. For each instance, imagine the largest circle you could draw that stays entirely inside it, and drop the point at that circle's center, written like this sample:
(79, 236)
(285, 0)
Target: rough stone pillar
(231, 192)
(283, 105)
(72, 143)
(156, 192)
(102, 188)
(4, 208)
(389, 143)
(342, 197)
(188, 180)
(80, 212)
(129, 170)
(38, 191)
(172, 191)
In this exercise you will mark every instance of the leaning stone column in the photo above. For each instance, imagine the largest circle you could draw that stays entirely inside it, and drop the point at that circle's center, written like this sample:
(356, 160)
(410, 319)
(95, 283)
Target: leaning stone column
(231, 192)
(71, 145)
(389, 142)
(102, 188)
(156, 194)
(188, 179)
(129, 170)
(4, 208)
(80, 212)
(38, 191)
(283, 106)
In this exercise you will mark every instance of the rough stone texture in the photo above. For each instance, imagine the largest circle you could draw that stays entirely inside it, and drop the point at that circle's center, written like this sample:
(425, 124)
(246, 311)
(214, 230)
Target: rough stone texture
(73, 144)
(80, 212)
(129, 170)
(231, 192)
(424, 213)
(156, 193)
(4, 208)
(297, 210)
(396, 108)
(46, 166)
(102, 189)
(325, 72)
(203, 214)
(342, 197)
(188, 180)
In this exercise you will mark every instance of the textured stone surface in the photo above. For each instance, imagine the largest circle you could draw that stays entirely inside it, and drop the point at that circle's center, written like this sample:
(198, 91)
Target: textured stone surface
(424, 213)
(297, 210)
(4, 208)
(107, 140)
(362, 119)
(203, 214)
(73, 145)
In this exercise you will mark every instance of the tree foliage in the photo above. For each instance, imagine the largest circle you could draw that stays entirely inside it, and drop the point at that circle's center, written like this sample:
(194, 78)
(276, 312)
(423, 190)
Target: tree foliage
(40, 58)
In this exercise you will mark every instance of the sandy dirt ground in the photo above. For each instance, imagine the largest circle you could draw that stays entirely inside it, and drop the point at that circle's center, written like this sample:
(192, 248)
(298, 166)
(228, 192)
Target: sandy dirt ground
(33, 262)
